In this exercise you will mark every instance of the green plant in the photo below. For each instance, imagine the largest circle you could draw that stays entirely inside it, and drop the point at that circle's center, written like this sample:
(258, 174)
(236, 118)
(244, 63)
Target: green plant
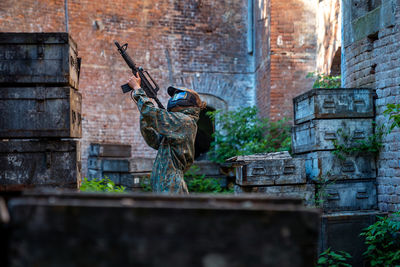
(332, 258)
(146, 184)
(242, 132)
(100, 185)
(345, 145)
(325, 81)
(198, 183)
(383, 241)
(393, 111)
(321, 185)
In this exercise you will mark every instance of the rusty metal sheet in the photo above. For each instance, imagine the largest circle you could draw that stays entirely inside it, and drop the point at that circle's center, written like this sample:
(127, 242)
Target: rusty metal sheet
(325, 165)
(335, 103)
(318, 135)
(47, 58)
(36, 163)
(40, 111)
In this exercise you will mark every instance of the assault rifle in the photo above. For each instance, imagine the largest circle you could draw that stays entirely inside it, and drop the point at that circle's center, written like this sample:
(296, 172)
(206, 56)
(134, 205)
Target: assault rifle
(147, 83)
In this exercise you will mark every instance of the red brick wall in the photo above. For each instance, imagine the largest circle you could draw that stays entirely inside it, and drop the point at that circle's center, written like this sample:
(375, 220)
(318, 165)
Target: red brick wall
(197, 43)
(262, 53)
(32, 16)
(293, 53)
(204, 39)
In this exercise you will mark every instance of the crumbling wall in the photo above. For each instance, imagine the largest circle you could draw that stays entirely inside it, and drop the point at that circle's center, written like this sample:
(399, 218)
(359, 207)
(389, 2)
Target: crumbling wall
(371, 58)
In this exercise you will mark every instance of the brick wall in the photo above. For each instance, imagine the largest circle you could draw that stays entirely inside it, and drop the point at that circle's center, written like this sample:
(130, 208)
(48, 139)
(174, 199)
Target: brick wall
(202, 44)
(293, 53)
(371, 58)
(328, 34)
(262, 51)
(292, 38)
(196, 43)
(32, 16)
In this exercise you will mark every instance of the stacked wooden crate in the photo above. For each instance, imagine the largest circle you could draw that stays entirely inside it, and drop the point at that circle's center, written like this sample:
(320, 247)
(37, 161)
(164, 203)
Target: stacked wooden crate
(113, 161)
(40, 111)
(273, 174)
(322, 116)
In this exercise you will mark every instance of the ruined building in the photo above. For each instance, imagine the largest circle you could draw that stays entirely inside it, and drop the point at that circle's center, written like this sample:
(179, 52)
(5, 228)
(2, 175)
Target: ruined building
(234, 53)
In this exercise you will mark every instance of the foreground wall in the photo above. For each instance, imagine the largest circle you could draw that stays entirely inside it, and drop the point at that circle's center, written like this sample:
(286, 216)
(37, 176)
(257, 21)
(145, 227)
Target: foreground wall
(371, 58)
(153, 230)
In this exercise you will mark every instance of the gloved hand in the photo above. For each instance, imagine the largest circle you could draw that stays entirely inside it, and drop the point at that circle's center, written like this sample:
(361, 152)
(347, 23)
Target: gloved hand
(134, 82)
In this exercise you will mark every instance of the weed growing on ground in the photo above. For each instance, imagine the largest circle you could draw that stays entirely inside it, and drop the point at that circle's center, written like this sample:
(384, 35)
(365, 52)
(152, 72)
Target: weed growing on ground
(333, 258)
(383, 241)
(198, 183)
(100, 185)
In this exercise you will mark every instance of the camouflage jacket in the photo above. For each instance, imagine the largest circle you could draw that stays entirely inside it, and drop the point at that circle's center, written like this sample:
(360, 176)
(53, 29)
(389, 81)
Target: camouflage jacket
(173, 135)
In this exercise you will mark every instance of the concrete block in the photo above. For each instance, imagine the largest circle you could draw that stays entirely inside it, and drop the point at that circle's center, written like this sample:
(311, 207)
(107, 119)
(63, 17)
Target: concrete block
(160, 230)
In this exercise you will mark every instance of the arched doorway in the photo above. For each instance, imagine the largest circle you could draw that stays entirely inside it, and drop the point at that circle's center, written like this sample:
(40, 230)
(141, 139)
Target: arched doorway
(205, 126)
(205, 129)
(336, 63)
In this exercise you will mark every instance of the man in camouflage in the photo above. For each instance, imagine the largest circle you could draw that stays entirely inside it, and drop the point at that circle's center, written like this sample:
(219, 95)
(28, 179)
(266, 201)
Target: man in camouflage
(172, 132)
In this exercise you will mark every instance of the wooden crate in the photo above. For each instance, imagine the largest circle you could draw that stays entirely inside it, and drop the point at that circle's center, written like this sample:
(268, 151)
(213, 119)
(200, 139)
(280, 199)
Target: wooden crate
(271, 172)
(305, 192)
(45, 58)
(40, 163)
(318, 135)
(40, 111)
(348, 195)
(110, 150)
(323, 164)
(337, 103)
